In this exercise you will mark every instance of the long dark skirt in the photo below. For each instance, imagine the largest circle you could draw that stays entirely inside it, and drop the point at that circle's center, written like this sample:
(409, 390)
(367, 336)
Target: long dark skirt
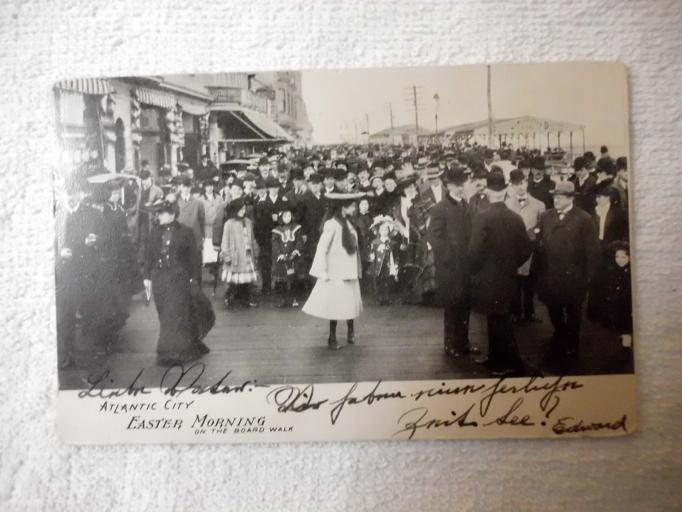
(178, 336)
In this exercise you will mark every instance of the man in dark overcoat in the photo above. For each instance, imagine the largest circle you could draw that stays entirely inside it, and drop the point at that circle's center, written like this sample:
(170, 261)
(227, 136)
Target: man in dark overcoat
(540, 185)
(311, 212)
(585, 186)
(448, 233)
(567, 259)
(499, 246)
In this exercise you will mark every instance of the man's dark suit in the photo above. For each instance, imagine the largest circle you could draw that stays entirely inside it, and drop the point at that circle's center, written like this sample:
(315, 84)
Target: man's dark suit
(449, 233)
(479, 202)
(585, 194)
(541, 190)
(566, 260)
(499, 246)
(311, 212)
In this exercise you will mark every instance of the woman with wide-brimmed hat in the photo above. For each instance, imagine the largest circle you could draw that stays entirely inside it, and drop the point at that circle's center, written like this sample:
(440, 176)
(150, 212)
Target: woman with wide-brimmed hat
(337, 267)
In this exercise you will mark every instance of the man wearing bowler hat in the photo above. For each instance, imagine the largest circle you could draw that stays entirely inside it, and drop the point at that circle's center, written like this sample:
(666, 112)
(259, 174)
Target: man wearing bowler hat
(540, 185)
(566, 260)
(499, 246)
(584, 185)
(449, 233)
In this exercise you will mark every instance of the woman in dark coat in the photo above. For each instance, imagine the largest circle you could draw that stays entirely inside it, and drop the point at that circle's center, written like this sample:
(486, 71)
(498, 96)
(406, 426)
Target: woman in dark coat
(88, 233)
(171, 268)
(611, 223)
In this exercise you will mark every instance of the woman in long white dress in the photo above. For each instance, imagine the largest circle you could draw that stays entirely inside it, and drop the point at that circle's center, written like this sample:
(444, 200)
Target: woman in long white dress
(337, 267)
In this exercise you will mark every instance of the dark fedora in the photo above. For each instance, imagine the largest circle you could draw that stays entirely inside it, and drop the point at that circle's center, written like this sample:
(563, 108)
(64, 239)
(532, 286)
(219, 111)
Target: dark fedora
(495, 181)
(406, 181)
(516, 176)
(538, 163)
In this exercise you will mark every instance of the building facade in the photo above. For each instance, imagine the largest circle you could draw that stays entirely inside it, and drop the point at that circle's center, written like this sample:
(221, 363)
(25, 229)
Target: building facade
(116, 124)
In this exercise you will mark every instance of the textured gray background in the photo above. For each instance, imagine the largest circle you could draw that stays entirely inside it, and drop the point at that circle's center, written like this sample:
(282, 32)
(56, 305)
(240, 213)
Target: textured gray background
(42, 41)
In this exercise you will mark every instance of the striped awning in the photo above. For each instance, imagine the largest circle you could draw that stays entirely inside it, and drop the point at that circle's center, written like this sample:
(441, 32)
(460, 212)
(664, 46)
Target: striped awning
(95, 86)
(262, 127)
(156, 98)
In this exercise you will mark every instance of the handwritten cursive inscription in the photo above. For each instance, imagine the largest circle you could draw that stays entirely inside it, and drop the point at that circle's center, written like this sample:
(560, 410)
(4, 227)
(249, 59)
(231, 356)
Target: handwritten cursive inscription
(368, 399)
(294, 399)
(570, 425)
(416, 419)
(548, 401)
(98, 382)
(508, 418)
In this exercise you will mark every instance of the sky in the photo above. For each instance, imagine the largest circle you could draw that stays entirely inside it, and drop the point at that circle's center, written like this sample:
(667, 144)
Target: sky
(591, 94)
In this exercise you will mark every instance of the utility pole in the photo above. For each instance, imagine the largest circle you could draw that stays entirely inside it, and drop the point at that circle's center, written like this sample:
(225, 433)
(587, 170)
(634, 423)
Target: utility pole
(367, 123)
(416, 114)
(390, 112)
(355, 124)
(490, 110)
(436, 99)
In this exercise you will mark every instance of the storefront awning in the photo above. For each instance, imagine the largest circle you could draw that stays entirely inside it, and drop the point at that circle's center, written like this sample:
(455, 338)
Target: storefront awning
(95, 86)
(156, 98)
(193, 108)
(262, 125)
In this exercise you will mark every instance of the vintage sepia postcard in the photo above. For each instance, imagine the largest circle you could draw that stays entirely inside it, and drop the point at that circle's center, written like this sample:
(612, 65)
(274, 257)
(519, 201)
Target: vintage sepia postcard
(399, 253)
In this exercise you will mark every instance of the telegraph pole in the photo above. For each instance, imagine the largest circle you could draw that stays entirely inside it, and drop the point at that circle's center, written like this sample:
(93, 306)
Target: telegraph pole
(390, 112)
(490, 111)
(416, 114)
(355, 124)
(367, 124)
(436, 99)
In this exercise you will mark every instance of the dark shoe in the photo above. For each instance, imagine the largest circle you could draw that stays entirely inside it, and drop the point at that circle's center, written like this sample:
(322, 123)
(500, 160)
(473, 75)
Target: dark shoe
(332, 344)
(351, 338)
(201, 348)
(504, 372)
(457, 353)
(460, 352)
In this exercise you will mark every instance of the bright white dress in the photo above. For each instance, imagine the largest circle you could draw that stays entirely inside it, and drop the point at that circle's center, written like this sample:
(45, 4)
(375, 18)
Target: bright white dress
(338, 297)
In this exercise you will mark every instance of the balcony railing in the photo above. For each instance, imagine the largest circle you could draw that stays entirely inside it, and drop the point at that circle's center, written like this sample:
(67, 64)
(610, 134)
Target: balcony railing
(242, 97)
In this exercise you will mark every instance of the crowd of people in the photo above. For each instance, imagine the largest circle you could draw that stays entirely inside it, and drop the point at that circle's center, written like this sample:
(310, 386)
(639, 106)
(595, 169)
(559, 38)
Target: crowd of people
(463, 227)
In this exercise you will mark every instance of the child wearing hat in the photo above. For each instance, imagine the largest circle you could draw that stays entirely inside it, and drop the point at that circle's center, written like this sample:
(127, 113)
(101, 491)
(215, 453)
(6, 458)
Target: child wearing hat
(383, 259)
(239, 252)
(337, 267)
(287, 259)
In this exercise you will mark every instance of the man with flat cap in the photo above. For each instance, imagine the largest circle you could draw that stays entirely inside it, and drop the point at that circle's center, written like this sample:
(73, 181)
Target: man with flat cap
(449, 233)
(566, 260)
(499, 246)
